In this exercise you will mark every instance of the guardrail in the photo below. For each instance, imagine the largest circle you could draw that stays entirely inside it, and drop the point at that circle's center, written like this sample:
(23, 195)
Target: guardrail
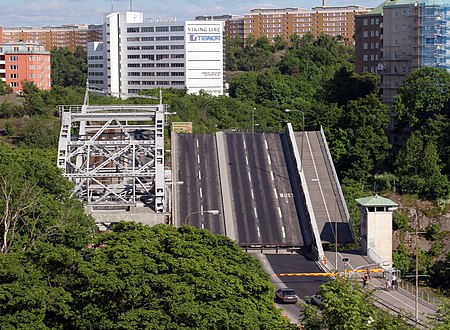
(429, 297)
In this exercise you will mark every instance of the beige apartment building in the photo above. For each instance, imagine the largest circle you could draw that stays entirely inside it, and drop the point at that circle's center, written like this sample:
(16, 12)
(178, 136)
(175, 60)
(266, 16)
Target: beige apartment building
(70, 36)
(285, 22)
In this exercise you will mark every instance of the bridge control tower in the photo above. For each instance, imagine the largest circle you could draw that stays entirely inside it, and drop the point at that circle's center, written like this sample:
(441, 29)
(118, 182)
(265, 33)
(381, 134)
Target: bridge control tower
(115, 157)
(376, 227)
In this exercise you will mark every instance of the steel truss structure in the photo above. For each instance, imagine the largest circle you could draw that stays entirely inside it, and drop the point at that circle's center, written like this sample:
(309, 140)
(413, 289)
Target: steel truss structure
(114, 154)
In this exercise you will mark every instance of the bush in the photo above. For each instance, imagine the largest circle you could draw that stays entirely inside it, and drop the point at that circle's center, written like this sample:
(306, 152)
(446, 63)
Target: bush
(400, 221)
(433, 231)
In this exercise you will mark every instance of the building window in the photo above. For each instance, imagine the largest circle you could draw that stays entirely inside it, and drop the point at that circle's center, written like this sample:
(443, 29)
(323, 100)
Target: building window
(13, 76)
(134, 82)
(131, 57)
(161, 38)
(365, 58)
(365, 34)
(133, 30)
(148, 65)
(366, 21)
(162, 65)
(147, 29)
(134, 65)
(147, 38)
(147, 74)
(161, 56)
(147, 47)
(13, 67)
(149, 57)
(162, 74)
(177, 74)
(366, 45)
(162, 29)
(148, 82)
(177, 28)
(162, 47)
(177, 38)
(134, 74)
(177, 65)
(13, 58)
(178, 83)
(177, 47)
(14, 84)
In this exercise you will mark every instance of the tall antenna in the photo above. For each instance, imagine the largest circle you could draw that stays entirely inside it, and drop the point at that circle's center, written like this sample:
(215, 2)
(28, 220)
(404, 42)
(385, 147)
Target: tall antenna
(131, 5)
(112, 6)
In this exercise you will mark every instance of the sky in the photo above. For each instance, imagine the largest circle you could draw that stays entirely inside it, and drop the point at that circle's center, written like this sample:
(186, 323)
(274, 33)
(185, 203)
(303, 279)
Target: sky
(57, 12)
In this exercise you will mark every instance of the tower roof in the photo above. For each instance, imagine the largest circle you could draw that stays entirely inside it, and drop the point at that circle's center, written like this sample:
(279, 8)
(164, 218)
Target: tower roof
(376, 201)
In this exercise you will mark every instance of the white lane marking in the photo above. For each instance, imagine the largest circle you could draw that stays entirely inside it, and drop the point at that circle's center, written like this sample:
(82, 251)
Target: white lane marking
(270, 161)
(284, 232)
(198, 159)
(279, 212)
(201, 193)
(199, 175)
(245, 145)
(254, 210)
(271, 175)
(253, 196)
(246, 159)
(265, 142)
(249, 177)
(259, 233)
(197, 143)
(276, 192)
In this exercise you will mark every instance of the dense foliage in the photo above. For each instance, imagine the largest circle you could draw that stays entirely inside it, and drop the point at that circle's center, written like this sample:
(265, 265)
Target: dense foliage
(137, 277)
(69, 68)
(345, 306)
(35, 202)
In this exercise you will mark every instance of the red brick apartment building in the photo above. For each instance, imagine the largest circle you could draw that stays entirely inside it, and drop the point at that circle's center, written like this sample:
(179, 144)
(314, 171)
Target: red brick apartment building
(70, 36)
(21, 61)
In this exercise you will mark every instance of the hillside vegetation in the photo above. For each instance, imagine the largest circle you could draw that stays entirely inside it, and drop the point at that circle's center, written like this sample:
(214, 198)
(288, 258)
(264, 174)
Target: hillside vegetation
(50, 276)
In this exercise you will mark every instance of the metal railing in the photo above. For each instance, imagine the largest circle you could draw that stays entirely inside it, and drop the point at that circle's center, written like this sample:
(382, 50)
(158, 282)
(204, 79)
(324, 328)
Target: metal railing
(429, 297)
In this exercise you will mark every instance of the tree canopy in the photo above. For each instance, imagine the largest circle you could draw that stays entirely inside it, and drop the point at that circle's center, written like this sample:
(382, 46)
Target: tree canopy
(137, 277)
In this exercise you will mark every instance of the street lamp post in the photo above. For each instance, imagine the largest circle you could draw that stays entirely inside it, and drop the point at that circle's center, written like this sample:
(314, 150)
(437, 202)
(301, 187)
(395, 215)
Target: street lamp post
(303, 133)
(213, 212)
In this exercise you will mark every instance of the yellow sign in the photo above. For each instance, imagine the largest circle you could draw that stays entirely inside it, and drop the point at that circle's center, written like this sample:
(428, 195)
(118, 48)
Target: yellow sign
(182, 127)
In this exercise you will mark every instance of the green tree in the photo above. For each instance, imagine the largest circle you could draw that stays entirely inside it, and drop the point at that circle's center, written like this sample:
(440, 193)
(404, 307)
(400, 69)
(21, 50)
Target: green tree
(345, 306)
(34, 103)
(359, 142)
(69, 68)
(418, 169)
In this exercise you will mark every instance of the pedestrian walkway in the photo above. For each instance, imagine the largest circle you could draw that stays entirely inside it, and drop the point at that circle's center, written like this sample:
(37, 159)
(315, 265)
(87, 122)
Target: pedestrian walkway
(398, 301)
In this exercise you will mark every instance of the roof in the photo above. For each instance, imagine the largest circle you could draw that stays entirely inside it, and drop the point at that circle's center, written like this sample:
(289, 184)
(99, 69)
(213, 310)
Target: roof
(378, 10)
(376, 201)
(402, 2)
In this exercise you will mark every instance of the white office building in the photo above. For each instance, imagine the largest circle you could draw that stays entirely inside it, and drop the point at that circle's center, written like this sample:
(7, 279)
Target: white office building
(141, 54)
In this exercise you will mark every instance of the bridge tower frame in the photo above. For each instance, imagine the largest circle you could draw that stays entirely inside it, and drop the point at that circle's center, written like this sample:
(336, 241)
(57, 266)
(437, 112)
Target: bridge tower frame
(114, 155)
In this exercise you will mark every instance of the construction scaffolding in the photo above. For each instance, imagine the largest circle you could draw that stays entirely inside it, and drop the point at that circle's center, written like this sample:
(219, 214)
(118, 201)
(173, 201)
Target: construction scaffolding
(435, 15)
(114, 155)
